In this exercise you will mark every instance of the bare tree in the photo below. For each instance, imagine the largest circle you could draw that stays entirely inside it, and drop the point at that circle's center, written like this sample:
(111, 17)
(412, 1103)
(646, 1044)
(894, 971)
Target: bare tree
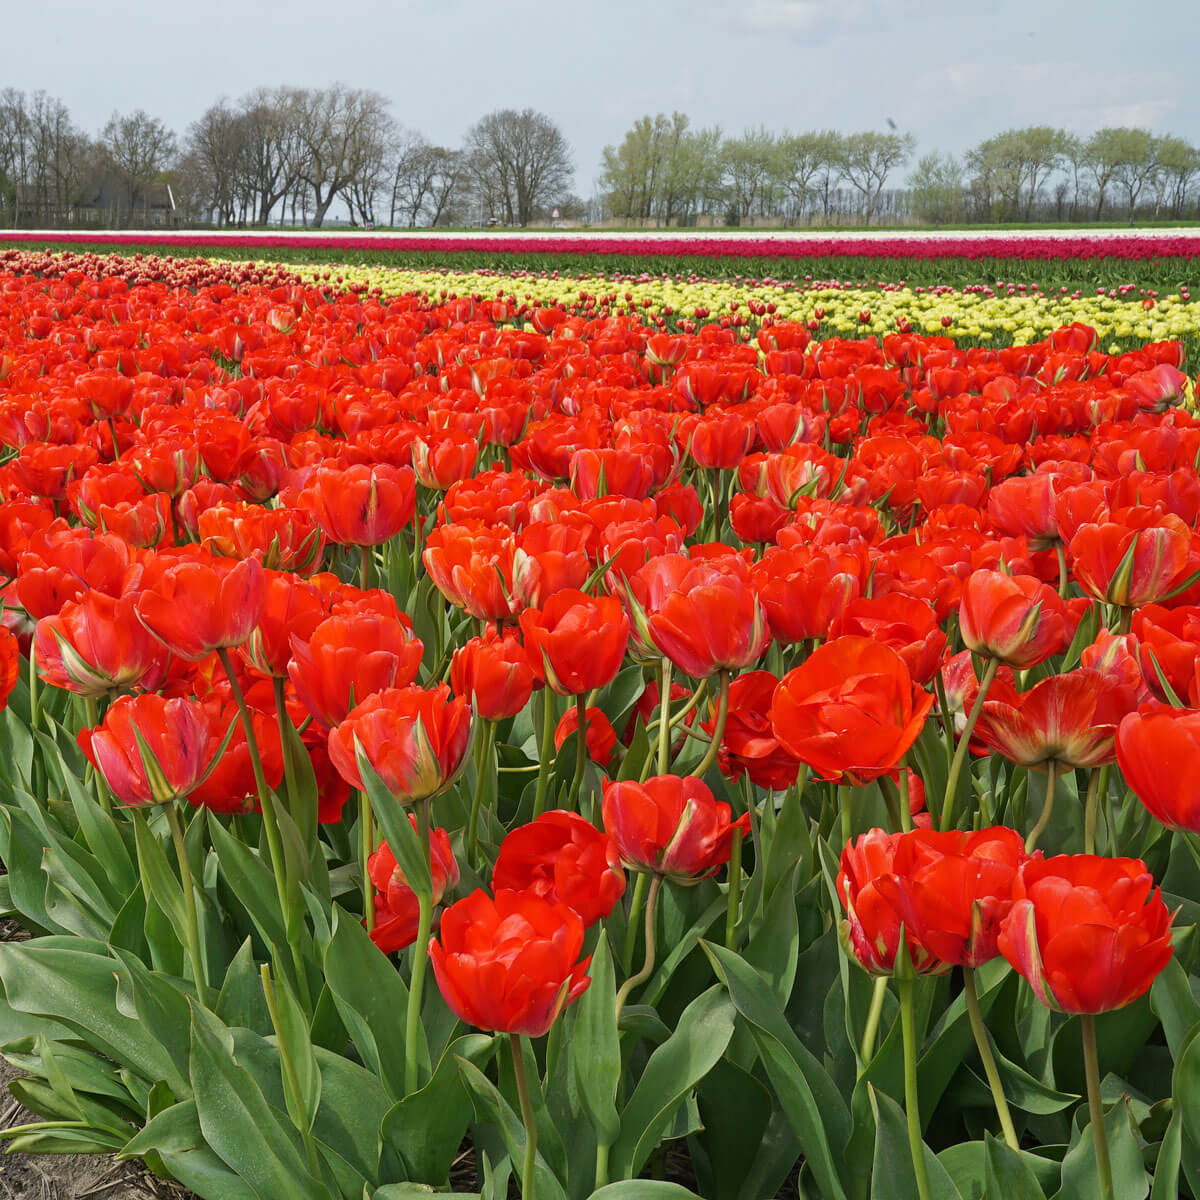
(869, 157)
(139, 146)
(342, 134)
(215, 147)
(520, 162)
(269, 167)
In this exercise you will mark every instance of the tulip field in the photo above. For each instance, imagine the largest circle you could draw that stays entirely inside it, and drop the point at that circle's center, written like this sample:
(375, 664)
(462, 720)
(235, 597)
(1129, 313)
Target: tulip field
(632, 735)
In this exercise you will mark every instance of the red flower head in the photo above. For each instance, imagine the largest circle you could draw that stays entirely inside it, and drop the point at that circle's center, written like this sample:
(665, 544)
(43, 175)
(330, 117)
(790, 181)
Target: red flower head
(1132, 558)
(348, 658)
(230, 787)
(1068, 719)
(670, 826)
(564, 859)
(1089, 934)
(150, 750)
(415, 739)
(292, 608)
(10, 664)
(601, 736)
(908, 625)
(850, 710)
(580, 639)
(360, 505)
(493, 672)
(702, 614)
(194, 608)
(870, 931)
(397, 911)
(749, 745)
(953, 889)
(471, 565)
(444, 459)
(98, 647)
(510, 964)
(804, 589)
(1015, 618)
(1158, 751)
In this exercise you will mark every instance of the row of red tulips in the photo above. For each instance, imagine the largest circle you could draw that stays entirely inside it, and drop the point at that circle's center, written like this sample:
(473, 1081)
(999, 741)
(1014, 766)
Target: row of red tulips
(268, 548)
(722, 245)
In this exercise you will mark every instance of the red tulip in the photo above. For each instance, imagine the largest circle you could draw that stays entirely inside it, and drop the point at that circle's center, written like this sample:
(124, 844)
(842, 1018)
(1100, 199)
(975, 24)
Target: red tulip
(10, 664)
(908, 625)
(98, 647)
(360, 505)
(850, 710)
(1158, 751)
(749, 745)
(601, 736)
(494, 673)
(1089, 934)
(397, 912)
(565, 859)
(871, 929)
(953, 889)
(150, 750)
(415, 739)
(194, 608)
(1134, 557)
(1014, 618)
(670, 826)
(580, 640)
(510, 964)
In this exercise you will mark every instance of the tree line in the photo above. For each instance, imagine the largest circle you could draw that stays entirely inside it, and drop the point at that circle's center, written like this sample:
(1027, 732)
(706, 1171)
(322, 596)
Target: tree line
(289, 155)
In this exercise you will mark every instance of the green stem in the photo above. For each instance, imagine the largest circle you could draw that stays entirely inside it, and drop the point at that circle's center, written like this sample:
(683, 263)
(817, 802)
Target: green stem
(636, 905)
(1097, 786)
(843, 800)
(527, 1116)
(1064, 579)
(648, 964)
(1091, 1066)
(906, 821)
(1047, 807)
(483, 764)
(602, 1149)
(366, 572)
(366, 847)
(710, 755)
(735, 889)
(580, 752)
(191, 925)
(963, 752)
(288, 1068)
(664, 718)
(984, 1046)
(286, 889)
(867, 1050)
(912, 1108)
(420, 957)
(547, 742)
(91, 708)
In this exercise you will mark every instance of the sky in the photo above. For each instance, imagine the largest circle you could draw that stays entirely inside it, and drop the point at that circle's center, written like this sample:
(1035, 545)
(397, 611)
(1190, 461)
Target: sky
(950, 74)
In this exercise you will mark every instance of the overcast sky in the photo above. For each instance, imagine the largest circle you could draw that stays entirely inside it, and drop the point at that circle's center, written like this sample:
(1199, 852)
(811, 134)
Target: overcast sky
(951, 74)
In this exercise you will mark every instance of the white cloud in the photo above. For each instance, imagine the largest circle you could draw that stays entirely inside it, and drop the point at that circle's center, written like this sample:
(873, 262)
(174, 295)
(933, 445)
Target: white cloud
(795, 18)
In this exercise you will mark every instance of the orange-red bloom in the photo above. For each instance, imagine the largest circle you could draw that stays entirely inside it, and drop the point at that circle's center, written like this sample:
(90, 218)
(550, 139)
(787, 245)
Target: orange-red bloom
(749, 745)
(670, 826)
(850, 710)
(580, 639)
(397, 910)
(10, 664)
(1015, 618)
(361, 505)
(509, 964)
(1134, 557)
(1158, 751)
(1089, 934)
(494, 673)
(565, 859)
(415, 739)
(601, 736)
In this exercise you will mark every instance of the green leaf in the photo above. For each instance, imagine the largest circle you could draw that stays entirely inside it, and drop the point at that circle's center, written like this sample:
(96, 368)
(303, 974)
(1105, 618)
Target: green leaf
(595, 1049)
(736, 1110)
(410, 1191)
(302, 1087)
(241, 1000)
(161, 1007)
(701, 1035)
(813, 1104)
(427, 1127)
(1170, 1155)
(892, 1174)
(238, 1123)
(370, 997)
(497, 1110)
(642, 1189)
(1008, 1176)
(1079, 1174)
(175, 1136)
(1175, 1006)
(251, 882)
(774, 949)
(78, 986)
(411, 854)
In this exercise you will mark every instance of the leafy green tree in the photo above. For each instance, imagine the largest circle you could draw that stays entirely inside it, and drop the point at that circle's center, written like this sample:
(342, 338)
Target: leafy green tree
(936, 188)
(869, 158)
